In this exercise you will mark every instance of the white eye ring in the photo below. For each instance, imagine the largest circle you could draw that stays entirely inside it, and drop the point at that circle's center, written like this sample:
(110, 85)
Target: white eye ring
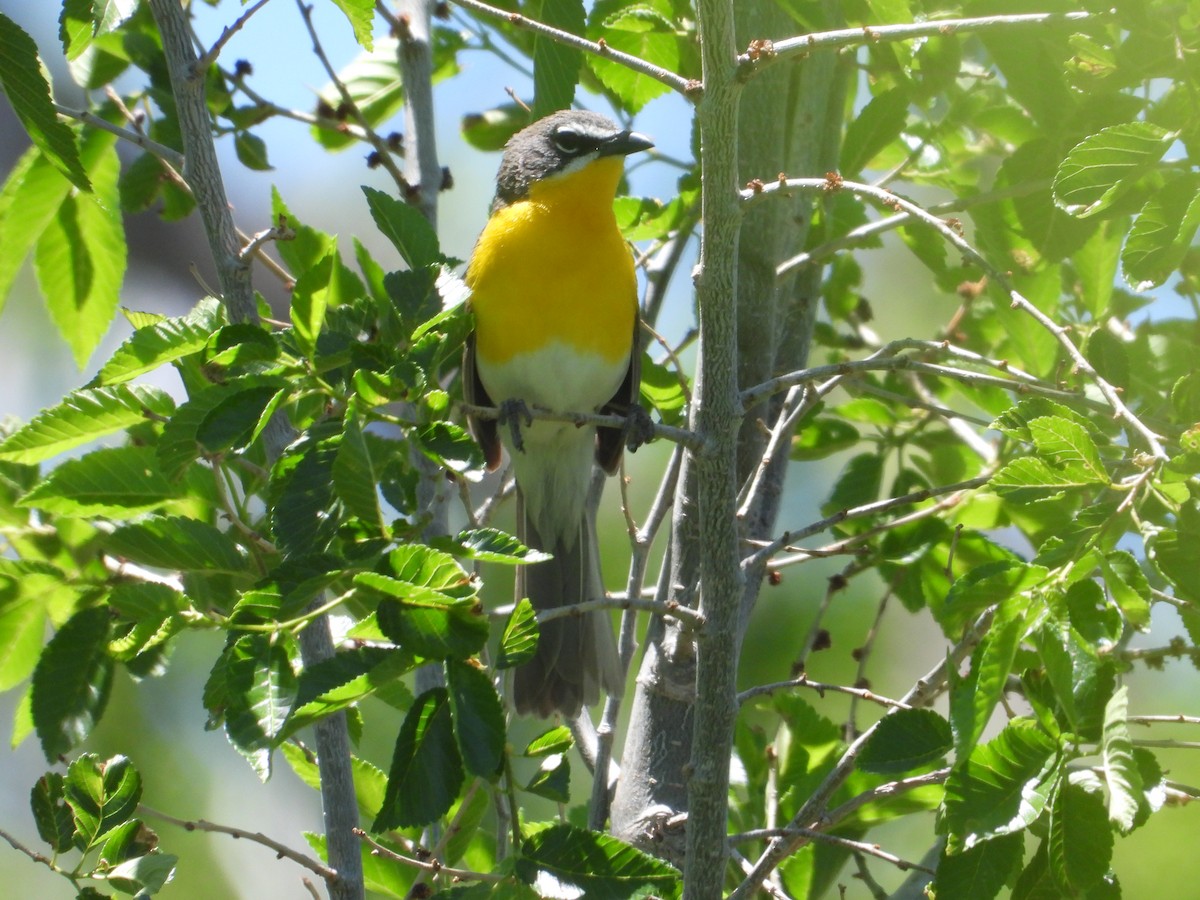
(568, 140)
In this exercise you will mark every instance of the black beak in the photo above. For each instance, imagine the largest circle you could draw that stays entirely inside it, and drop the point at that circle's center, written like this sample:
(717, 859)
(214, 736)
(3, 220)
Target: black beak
(625, 142)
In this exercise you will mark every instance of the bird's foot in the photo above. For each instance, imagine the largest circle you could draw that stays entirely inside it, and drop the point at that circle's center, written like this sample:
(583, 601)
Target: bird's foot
(514, 413)
(638, 428)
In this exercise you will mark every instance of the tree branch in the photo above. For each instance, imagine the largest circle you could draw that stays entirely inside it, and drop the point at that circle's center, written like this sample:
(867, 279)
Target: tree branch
(689, 89)
(764, 53)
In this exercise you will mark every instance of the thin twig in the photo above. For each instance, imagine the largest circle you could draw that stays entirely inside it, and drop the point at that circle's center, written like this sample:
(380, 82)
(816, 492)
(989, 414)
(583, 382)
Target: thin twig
(689, 89)
(821, 688)
(226, 33)
(755, 60)
(1017, 300)
(173, 158)
(684, 614)
(816, 835)
(689, 439)
(282, 851)
(432, 866)
(1164, 720)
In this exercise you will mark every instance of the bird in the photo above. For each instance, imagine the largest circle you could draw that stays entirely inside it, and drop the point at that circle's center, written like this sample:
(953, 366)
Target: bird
(556, 326)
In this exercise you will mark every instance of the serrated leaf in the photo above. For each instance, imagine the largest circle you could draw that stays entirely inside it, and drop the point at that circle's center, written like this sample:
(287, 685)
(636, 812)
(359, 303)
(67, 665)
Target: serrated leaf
(873, 129)
(552, 779)
(430, 626)
(80, 257)
(315, 291)
(518, 643)
(102, 795)
(991, 665)
(492, 545)
(23, 614)
(1101, 166)
(1121, 773)
(427, 771)
(644, 30)
(556, 740)
(343, 680)
(1028, 479)
(478, 718)
(905, 740)
(1079, 842)
(1068, 446)
(859, 483)
(354, 475)
(403, 225)
(72, 682)
(177, 544)
(1127, 583)
(143, 875)
(22, 82)
(162, 342)
(449, 445)
(983, 586)
(259, 691)
(1162, 233)
(112, 481)
(1002, 787)
(301, 495)
(593, 865)
(361, 14)
(29, 200)
(81, 417)
(51, 815)
(555, 66)
(978, 873)
(370, 782)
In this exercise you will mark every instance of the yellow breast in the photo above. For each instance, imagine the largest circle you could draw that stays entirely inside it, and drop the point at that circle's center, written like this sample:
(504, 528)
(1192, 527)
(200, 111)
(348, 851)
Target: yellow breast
(554, 267)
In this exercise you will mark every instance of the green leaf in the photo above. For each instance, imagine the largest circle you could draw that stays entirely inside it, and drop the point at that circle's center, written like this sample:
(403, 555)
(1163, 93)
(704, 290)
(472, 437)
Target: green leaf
(143, 875)
(644, 30)
(301, 494)
(876, 126)
(403, 225)
(72, 682)
(555, 66)
(858, 484)
(449, 445)
(51, 815)
(22, 621)
(478, 718)
(983, 586)
(21, 80)
(75, 27)
(991, 665)
(556, 740)
(361, 14)
(80, 256)
(1069, 448)
(177, 543)
(1002, 787)
(355, 477)
(81, 417)
(1127, 583)
(112, 481)
(1079, 843)
(1028, 479)
(162, 342)
(1100, 167)
(490, 545)
(29, 201)
(343, 680)
(552, 779)
(427, 771)
(1120, 768)
(1162, 233)
(256, 686)
(593, 865)
(518, 643)
(374, 84)
(978, 873)
(428, 625)
(905, 740)
(251, 151)
(102, 795)
(315, 291)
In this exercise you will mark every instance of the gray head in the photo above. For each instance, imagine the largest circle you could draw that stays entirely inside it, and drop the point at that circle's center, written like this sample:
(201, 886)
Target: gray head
(560, 142)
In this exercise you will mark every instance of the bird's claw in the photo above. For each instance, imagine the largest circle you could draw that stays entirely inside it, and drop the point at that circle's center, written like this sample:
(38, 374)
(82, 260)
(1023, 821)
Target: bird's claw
(514, 413)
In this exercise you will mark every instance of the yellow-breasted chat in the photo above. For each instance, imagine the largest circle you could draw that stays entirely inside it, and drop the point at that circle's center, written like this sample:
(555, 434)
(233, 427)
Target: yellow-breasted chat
(554, 295)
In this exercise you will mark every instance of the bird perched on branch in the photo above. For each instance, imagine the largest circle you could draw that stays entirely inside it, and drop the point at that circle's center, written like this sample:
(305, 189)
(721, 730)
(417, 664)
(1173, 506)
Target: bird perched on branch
(554, 296)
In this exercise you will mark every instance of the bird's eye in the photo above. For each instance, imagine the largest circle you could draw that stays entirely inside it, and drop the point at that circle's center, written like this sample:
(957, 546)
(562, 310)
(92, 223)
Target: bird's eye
(569, 141)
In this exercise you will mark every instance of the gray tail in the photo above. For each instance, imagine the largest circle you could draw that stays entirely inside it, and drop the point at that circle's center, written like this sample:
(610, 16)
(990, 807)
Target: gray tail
(576, 654)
